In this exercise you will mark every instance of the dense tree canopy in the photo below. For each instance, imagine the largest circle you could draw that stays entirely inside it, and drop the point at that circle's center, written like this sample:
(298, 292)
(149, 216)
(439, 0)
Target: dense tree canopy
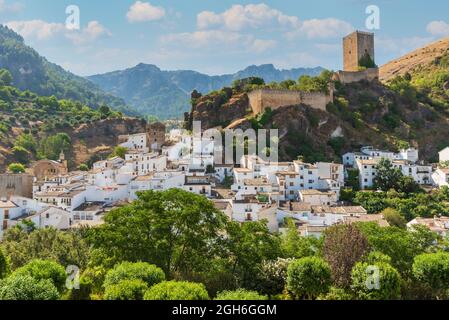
(309, 277)
(175, 229)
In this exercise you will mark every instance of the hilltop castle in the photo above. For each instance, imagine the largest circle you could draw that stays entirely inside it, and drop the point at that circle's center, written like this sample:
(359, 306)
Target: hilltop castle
(358, 65)
(358, 58)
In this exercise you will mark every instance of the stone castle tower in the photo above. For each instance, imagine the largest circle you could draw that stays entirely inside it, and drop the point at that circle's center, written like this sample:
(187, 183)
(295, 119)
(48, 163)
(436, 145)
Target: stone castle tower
(355, 46)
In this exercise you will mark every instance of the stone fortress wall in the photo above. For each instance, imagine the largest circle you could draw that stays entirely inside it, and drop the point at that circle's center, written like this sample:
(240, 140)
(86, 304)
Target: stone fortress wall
(355, 46)
(262, 99)
(351, 76)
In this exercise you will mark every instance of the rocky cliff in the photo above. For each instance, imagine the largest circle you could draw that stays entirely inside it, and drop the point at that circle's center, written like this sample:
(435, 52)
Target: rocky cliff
(364, 113)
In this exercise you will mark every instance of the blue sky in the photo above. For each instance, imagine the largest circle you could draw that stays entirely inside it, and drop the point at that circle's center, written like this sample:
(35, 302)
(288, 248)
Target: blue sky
(217, 37)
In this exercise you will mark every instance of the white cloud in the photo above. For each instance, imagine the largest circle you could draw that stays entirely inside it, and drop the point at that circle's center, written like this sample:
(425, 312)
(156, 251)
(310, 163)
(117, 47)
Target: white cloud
(438, 28)
(261, 16)
(144, 11)
(260, 45)
(13, 7)
(322, 28)
(218, 40)
(239, 17)
(90, 33)
(42, 30)
(38, 29)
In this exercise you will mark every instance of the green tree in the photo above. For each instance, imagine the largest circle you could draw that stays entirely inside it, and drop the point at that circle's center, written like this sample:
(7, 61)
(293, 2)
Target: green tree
(105, 110)
(130, 289)
(293, 245)
(66, 248)
(27, 142)
(21, 154)
(148, 273)
(387, 176)
(353, 179)
(177, 290)
(51, 147)
(400, 245)
(4, 264)
(247, 246)
(272, 276)
(16, 168)
(309, 277)
(378, 281)
(394, 218)
(367, 62)
(432, 269)
(5, 77)
(119, 151)
(25, 287)
(240, 294)
(344, 245)
(44, 270)
(177, 230)
(83, 167)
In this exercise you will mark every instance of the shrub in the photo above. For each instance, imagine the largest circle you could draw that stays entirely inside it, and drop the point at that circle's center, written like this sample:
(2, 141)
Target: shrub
(25, 287)
(384, 280)
(45, 270)
(240, 294)
(148, 273)
(174, 290)
(126, 290)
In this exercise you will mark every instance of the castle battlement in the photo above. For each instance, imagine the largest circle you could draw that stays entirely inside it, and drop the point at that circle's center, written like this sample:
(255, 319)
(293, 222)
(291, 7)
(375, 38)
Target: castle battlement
(262, 99)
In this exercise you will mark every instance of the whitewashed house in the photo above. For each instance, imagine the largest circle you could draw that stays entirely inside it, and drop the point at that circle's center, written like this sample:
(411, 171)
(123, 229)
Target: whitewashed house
(318, 198)
(51, 217)
(444, 155)
(440, 177)
(138, 141)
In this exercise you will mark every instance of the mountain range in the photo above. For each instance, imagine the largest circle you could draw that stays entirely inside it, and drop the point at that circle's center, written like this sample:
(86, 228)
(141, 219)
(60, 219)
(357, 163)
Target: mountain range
(144, 90)
(166, 94)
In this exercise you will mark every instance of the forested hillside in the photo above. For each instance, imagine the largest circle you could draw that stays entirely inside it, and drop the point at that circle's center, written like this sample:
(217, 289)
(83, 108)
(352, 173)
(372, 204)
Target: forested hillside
(33, 72)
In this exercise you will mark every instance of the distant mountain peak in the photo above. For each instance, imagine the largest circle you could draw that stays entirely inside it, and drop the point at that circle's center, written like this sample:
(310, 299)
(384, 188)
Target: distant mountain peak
(166, 94)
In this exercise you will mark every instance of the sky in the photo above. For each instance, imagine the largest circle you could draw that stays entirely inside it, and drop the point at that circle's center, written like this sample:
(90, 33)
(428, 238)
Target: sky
(218, 37)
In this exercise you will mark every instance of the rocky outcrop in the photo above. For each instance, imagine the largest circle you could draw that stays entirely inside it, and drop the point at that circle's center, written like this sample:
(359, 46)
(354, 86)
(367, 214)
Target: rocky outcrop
(219, 109)
(100, 138)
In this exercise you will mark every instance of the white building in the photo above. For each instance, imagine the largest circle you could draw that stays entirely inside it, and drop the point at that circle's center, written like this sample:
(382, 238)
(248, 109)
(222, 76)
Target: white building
(51, 217)
(444, 155)
(318, 198)
(138, 141)
(145, 163)
(421, 174)
(438, 225)
(440, 177)
(369, 153)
